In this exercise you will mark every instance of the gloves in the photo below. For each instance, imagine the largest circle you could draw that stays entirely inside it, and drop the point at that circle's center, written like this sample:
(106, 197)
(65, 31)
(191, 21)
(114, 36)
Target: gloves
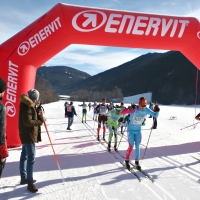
(130, 107)
(156, 109)
(133, 105)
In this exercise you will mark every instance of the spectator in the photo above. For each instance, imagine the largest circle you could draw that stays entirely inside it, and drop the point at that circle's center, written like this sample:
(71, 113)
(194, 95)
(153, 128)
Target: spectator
(29, 126)
(3, 144)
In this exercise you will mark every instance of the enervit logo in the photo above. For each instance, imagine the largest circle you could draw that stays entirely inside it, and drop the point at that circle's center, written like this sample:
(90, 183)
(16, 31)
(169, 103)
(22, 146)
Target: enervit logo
(11, 90)
(130, 24)
(198, 34)
(23, 48)
(90, 17)
(11, 111)
(39, 37)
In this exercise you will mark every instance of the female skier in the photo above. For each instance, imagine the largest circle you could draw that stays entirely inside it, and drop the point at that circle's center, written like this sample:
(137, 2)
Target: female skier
(137, 117)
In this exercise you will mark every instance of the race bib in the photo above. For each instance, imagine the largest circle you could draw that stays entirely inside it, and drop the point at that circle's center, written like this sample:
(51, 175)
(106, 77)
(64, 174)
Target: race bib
(69, 108)
(138, 120)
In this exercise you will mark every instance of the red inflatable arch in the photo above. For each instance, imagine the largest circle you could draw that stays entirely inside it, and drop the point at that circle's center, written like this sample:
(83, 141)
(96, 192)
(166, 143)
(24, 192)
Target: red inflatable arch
(66, 24)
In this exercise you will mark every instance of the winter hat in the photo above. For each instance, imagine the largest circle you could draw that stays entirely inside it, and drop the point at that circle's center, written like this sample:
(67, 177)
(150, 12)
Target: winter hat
(2, 85)
(142, 101)
(33, 94)
(118, 109)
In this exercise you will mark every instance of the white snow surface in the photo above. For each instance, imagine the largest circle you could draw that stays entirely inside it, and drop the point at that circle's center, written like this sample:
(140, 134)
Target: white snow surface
(89, 171)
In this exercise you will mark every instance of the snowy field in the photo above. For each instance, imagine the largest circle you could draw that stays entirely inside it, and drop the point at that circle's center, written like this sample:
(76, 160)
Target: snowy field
(90, 172)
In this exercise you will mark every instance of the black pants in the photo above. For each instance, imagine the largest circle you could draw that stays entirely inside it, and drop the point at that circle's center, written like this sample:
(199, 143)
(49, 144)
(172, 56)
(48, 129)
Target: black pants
(2, 165)
(154, 122)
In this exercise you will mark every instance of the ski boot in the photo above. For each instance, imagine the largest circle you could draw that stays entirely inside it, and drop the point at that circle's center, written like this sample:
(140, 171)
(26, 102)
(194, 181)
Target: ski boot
(109, 143)
(98, 138)
(82, 121)
(137, 165)
(104, 137)
(115, 148)
(127, 164)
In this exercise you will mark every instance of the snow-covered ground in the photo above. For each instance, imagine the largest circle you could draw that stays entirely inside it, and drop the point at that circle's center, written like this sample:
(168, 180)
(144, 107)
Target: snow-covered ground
(90, 172)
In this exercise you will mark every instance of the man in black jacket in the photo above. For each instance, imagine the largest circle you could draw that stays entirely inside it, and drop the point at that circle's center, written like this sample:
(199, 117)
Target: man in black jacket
(29, 126)
(70, 112)
(3, 144)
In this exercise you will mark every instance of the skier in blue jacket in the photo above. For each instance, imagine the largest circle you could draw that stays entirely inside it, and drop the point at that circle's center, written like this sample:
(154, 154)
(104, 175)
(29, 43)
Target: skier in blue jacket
(137, 117)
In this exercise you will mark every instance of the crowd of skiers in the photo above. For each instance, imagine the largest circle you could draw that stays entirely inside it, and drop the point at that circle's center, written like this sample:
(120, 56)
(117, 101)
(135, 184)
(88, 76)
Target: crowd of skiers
(107, 116)
(116, 117)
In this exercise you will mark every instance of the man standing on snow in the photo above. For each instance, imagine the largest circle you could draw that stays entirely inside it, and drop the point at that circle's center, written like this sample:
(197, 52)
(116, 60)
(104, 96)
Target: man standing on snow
(3, 144)
(70, 112)
(102, 118)
(84, 111)
(94, 106)
(29, 126)
(136, 119)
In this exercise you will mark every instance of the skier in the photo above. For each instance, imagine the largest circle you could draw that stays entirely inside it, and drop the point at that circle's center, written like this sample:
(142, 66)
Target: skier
(156, 109)
(84, 111)
(89, 105)
(65, 105)
(102, 118)
(112, 124)
(137, 116)
(111, 106)
(70, 112)
(3, 144)
(94, 106)
(121, 119)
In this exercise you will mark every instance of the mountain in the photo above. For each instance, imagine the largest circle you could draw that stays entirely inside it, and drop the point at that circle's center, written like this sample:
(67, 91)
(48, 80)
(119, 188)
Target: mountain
(170, 76)
(60, 76)
(106, 79)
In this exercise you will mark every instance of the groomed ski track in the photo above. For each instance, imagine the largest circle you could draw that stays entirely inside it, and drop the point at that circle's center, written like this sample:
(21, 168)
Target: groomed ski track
(91, 172)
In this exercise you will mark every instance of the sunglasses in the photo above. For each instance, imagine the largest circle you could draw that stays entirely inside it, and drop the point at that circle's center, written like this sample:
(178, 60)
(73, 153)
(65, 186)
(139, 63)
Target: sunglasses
(143, 106)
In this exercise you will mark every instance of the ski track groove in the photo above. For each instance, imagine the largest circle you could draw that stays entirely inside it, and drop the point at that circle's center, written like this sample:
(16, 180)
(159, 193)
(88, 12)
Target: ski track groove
(90, 129)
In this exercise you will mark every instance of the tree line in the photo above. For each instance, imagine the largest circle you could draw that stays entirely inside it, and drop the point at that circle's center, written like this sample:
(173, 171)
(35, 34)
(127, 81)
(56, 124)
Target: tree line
(115, 95)
(47, 93)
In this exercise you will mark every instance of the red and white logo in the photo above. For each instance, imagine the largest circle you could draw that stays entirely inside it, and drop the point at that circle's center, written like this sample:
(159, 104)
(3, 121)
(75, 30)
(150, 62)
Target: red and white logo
(10, 108)
(23, 48)
(89, 20)
(198, 34)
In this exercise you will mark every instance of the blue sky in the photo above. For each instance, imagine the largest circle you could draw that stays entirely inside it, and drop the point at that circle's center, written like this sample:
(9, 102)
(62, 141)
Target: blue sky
(17, 14)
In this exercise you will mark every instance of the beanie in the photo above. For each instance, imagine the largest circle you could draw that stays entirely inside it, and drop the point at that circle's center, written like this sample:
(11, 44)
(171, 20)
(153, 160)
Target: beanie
(33, 94)
(2, 85)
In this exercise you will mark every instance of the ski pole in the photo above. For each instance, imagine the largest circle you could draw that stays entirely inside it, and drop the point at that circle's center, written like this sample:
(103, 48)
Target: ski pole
(189, 126)
(122, 136)
(148, 139)
(54, 152)
(147, 143)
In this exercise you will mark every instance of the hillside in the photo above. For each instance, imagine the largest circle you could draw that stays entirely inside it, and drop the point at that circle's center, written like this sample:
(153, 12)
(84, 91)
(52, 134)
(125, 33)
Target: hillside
(106, 79)
(170, 76)
(61, 76)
